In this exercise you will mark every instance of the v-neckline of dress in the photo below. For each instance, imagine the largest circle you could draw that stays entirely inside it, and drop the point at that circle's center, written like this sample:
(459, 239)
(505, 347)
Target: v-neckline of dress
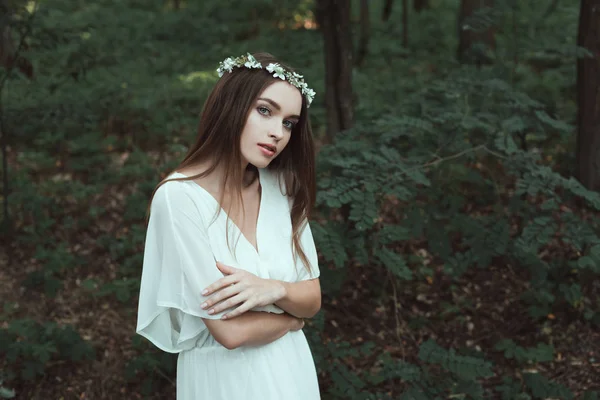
(258, 218)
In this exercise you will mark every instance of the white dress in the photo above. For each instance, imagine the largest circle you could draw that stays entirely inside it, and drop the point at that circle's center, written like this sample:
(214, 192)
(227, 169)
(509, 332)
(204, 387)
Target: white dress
(183, 243)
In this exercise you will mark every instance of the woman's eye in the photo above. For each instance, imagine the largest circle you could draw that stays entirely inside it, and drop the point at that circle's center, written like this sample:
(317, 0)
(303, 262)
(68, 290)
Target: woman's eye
(289, 124)
(264, 110)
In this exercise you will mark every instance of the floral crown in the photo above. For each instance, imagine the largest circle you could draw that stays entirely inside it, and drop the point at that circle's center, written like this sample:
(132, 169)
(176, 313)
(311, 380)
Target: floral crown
(277, 70)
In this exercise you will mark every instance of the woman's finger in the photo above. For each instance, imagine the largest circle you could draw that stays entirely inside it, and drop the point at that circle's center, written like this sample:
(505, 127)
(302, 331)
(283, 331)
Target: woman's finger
(248, 305)
(228, 269)
(221, 295)
(221, 283)
(228, 303)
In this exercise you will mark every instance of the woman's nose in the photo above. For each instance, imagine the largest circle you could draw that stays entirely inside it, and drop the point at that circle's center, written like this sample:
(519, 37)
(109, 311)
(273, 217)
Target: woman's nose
(276, 131)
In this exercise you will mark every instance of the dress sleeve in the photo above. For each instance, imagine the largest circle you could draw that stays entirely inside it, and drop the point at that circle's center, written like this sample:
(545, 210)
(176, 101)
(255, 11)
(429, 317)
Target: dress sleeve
(178, 264)
(308, 245)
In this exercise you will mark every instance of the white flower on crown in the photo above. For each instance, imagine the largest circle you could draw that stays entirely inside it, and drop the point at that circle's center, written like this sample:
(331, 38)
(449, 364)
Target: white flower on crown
(229, 63)
(294, 81)
(271, 67)
(310, 95)
(276, 70)
(252, 62)
(226, 65)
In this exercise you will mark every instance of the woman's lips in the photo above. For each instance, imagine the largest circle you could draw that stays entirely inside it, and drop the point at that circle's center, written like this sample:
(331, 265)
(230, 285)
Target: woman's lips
(266, 150)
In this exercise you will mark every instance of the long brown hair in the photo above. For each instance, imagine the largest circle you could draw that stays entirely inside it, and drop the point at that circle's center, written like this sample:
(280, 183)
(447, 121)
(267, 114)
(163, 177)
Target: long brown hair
(221, 124)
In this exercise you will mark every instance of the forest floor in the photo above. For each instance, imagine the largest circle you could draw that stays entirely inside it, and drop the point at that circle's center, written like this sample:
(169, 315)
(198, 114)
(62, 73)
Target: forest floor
(397, 325)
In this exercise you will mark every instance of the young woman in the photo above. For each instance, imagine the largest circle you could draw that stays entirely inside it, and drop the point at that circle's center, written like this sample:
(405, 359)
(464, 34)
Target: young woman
(230, 267)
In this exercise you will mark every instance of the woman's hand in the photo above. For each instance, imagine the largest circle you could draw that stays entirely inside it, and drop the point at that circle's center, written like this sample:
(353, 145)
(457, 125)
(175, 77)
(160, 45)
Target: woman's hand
(297, 323)
(240, 286)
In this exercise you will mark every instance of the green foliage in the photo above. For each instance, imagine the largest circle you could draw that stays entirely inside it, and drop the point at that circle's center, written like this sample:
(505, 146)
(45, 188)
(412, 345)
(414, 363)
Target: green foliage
(29, 346)
(331, 239)
(442, 373)
(509, 390)
(591, 395)
(361, 171)
(462, 367)
(541, 353)
(468, 136)
(542, 388)
(150, 365)
(54, 261)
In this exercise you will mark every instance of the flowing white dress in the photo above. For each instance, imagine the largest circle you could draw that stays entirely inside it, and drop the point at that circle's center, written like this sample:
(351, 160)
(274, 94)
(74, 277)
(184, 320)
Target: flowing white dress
(183, 243)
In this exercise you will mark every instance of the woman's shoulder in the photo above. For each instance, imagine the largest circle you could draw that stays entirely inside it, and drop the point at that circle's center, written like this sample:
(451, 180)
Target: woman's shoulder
(179, 194)
(172, 186)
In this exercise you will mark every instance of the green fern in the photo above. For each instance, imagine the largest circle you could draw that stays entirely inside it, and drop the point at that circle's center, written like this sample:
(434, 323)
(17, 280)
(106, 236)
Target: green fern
(463, 367)
(394, 262)
(542, 388)
(541, 353)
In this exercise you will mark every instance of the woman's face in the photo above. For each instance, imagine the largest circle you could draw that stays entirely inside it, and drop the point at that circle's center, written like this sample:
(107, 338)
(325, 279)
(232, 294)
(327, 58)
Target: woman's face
(270, 123)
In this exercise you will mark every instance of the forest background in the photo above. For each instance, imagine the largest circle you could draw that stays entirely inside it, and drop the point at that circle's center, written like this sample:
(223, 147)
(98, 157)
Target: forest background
(457, 214)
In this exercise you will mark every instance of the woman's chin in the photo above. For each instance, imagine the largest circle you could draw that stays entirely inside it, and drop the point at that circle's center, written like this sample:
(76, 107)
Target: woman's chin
(264, 163)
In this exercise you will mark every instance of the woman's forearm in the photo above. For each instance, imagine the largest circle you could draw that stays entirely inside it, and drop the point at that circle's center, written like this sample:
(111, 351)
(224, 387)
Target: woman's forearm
(302, 299)
(256, 328)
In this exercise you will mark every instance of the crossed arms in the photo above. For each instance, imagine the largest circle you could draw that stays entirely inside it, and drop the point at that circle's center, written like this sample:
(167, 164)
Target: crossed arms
(299, 300)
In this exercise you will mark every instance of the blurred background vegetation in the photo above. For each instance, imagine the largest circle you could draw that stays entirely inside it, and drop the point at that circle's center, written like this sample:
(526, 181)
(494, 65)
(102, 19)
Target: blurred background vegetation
(458, 208)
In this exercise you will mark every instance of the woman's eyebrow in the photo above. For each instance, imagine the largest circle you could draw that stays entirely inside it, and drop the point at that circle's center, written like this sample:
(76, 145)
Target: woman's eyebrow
(277, 106)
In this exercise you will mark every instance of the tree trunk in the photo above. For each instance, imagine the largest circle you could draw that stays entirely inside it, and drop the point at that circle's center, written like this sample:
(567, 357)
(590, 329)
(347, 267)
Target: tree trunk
(405, 23)
(333, 17)
(387, 10)
(9, 53)
(472, 45)
(588, 96)
(420, 5)
(5, 223)
(10, 49)
(365, 32)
